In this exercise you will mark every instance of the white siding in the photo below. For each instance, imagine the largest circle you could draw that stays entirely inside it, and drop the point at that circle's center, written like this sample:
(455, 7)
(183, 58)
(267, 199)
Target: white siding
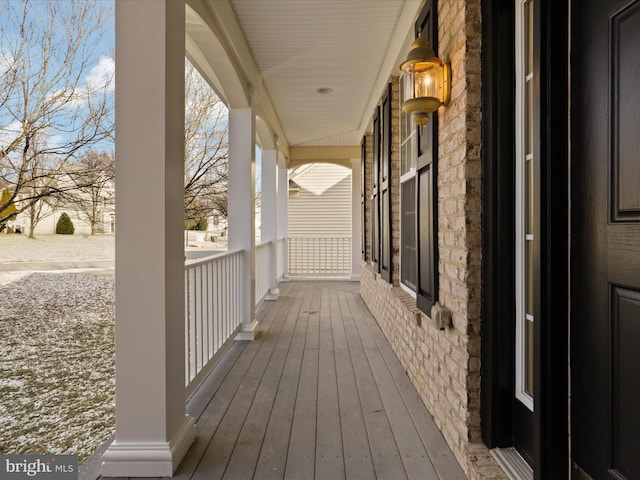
(322, 208)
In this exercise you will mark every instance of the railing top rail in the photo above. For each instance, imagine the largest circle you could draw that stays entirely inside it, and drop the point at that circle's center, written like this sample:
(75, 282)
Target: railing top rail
(263, 244)
(194, 262)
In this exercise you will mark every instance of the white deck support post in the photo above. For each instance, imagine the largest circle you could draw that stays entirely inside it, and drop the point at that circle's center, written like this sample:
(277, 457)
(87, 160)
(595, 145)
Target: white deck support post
(242, 210)
(269, 216)
(356, 237)
(152, 431)
(283, 216)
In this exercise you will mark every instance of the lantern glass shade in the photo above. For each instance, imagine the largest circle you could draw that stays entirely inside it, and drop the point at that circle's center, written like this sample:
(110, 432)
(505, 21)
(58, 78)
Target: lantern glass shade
(421, 81)
(425, 82)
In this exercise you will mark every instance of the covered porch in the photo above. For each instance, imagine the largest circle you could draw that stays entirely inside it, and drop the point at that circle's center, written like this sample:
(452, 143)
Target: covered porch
(224, 368)
(317, 394)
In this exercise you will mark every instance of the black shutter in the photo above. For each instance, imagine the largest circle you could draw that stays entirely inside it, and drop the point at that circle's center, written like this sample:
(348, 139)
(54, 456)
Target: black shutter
(363, 196)
(375, 203)
(385, 188)
(427, 178)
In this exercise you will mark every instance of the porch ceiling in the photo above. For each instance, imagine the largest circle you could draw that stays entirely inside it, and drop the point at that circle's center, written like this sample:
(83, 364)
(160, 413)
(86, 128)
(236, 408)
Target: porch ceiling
(349, 46)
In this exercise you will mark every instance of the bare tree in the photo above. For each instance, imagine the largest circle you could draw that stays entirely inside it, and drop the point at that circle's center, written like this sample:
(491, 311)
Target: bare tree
(206, 148)
(53, 105)
(220, 204)
(39, 185)
(93, 177)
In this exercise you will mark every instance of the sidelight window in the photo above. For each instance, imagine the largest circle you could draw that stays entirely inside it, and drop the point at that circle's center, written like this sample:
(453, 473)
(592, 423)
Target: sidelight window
(525, 204)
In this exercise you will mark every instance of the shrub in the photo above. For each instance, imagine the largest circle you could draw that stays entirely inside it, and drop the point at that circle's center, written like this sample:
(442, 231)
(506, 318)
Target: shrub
(9, 212)
(202, 224)
(197, 224)
(65, 225)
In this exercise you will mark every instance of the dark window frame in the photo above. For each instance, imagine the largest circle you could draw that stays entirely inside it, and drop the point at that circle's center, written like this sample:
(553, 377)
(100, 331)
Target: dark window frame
(550, 447)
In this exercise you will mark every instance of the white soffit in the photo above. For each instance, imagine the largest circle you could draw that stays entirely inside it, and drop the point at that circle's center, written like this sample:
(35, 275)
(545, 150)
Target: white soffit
(349, 46)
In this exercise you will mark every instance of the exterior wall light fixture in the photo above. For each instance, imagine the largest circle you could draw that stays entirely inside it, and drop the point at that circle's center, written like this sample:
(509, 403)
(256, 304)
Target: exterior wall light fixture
(426, 81)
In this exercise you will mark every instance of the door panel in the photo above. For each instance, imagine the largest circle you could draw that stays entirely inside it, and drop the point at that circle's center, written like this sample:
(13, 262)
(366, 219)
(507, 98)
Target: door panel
(625, 96)
(605, 276)
(624, 383)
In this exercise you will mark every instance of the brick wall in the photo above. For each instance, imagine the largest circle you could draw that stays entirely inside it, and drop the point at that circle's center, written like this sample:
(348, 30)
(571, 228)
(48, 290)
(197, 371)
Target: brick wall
(445, 365)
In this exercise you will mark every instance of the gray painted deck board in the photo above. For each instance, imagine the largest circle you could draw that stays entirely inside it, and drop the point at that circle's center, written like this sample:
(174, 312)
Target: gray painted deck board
(318, 394)
(273, 456)
(386, 456)
(329, 455)
(439, 452)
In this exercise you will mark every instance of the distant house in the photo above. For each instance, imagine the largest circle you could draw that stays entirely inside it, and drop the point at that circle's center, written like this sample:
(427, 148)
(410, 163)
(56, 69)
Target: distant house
(320, 201)
(82, 204)
(320, 220)
(47, 225)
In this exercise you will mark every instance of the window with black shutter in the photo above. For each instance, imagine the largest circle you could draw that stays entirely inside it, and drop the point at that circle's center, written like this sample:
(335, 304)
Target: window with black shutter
(363, 198)
(385, 187)
(375, 199)
(426, 184)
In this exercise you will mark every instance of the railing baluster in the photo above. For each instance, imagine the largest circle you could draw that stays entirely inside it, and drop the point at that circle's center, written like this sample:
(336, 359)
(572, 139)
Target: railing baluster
(192, 325)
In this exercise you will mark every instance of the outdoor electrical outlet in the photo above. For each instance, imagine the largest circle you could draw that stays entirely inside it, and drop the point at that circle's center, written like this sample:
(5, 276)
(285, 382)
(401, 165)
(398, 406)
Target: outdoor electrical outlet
(441, 316)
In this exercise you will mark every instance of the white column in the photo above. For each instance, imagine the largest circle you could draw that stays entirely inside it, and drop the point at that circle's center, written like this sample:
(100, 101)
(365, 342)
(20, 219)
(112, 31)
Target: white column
(283, 216)
(152, 431)
(356, 234)
(269, 216)
(241, 209)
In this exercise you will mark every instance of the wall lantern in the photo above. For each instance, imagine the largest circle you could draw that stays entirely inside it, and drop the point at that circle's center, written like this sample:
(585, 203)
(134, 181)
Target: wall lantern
(426, 81)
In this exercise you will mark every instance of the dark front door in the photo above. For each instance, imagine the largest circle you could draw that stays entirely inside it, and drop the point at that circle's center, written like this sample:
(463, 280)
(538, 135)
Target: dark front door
(605, 238)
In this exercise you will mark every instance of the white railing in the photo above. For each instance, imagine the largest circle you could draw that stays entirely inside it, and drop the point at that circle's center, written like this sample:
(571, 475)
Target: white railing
(212, 311)
(319, 255)
(263, 271)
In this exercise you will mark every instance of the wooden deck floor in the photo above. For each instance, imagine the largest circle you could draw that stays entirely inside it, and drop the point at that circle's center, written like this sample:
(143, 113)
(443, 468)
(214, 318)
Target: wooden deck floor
(319, 394)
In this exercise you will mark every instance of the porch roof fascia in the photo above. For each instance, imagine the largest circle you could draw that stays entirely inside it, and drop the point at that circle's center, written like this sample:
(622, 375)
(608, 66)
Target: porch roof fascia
(337, 155)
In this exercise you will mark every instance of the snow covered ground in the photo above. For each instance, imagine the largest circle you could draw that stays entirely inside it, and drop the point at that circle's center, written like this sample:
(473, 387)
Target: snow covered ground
(57, 347)
(56, 248)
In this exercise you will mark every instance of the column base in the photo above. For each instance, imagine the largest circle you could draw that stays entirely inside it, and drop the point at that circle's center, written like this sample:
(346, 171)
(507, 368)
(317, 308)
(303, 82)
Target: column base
(354, 278)
(148, 459)
(247, 332)
(274, 294)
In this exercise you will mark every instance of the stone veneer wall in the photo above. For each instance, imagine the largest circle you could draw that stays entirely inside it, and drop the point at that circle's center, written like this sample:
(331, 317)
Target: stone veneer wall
(445, 365)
